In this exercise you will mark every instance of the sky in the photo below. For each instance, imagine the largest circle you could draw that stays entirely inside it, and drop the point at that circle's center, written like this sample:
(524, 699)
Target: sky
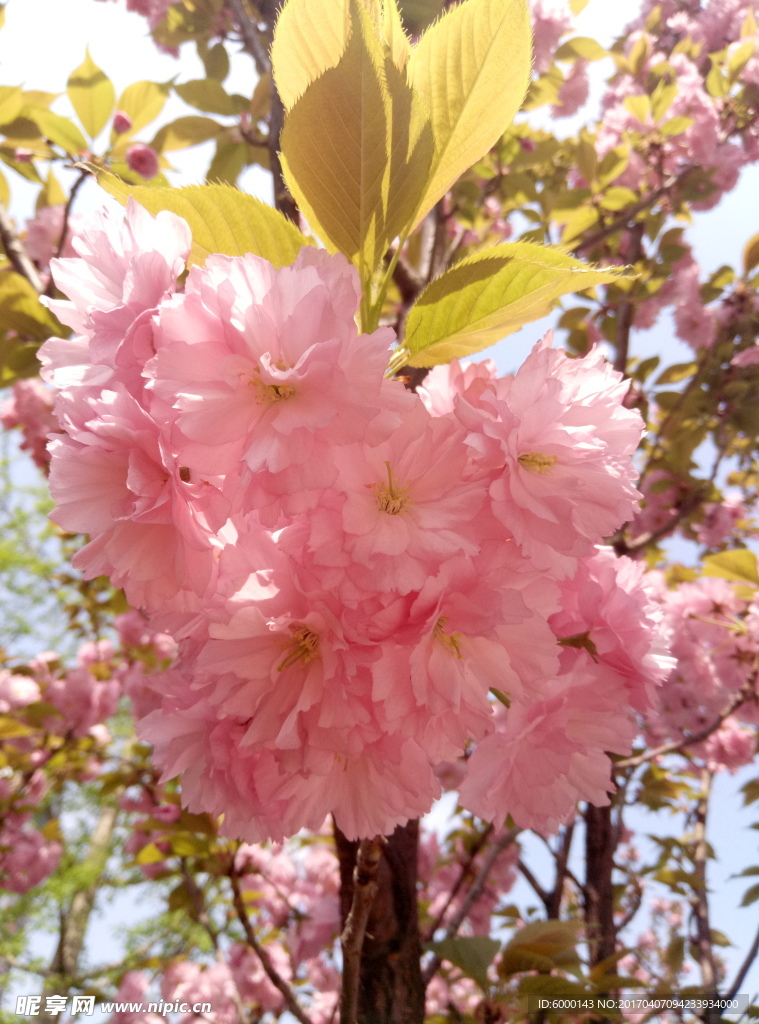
(44, 40)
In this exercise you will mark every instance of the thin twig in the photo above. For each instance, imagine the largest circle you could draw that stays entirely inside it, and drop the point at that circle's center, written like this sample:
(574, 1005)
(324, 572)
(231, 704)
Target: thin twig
(250, 37)
(700, 899)
(16, 252)
(744, 968)
(352, 940)
(84, 175)
(624, 218)
(738, 698)
(626, 308)
(472, 896)
(464, 872)
(266, 962)
(542, 894)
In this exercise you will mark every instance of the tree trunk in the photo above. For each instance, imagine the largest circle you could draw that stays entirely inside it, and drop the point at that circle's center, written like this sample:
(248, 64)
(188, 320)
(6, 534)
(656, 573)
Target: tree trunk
(391, 989)
(600, 844)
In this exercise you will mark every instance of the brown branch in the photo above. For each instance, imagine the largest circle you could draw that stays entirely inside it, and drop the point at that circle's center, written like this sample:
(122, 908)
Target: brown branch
(16, 252)
(83, 176)
(700, 898)
(744, 968)
(553, 906)
(75, 920)
(250, 36)
(352, 940)
(464, 872)
(624, 218)
(266, 962)
(739, 697)
(626, 308)
(542, 894)
(472, 896)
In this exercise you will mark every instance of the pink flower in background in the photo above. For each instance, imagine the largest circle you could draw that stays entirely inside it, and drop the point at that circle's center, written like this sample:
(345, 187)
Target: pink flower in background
(30, 408)
(143, 160)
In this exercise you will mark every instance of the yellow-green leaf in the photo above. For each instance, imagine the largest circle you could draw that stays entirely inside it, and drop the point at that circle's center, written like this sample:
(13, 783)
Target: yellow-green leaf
(473, 954)
(356, 150)
(143, 102)
(577, 6)
(21, 309)
(5, 192)
(186, 131)
(394, 34)
(10, 729)
(751, 254)
(209, 95)
(639, 107)
(310, 37)
(676, 126)
(228, 161)
(472, 69)
(221, 219)
(738, 565)
(51, 193)
(59, 130)
(150, 854)
(581, 46)
(92, 96)
(488, 296)
(11, 101)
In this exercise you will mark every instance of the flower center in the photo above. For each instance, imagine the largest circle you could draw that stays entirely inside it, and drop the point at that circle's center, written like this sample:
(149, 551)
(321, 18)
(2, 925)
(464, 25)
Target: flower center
(537, 462)
(304, 646)
(391, 498)
(451, 640)
(268, 394)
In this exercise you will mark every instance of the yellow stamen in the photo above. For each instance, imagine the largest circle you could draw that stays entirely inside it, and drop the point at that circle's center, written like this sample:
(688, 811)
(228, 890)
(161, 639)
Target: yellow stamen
(537, 462)
(303, 647)
(267, 394)
(451, 640)
(391, 498)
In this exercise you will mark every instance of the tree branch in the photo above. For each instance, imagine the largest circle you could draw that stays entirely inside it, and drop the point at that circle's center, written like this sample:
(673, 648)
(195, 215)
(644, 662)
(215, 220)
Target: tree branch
(744, 968)
(626, 309)
(739, 697)
(700, 899)
(84, 175)
(250, 37)
(271, 971)
(465, 871)
(352, 940)
(16, 252)
(472, 896)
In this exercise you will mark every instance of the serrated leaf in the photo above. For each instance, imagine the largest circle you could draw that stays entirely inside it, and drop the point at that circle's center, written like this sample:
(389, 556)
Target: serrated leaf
(310, 38)
(738, 564)
(356, 150)
(92, 95)
(394, 34)
(472, 954)
(59, 130)
(221, 219)
(488, 296)
(143, 102)
(228, 161)
(472, 69)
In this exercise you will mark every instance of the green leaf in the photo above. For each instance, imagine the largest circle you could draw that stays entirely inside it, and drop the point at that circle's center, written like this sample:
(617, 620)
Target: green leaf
(676, 125)
(472, 69)
(585, 48)
(489, 295)
(21, 309)
(221, 219)
(11, 102)
(10, 729)
(143, 102)
(356, 150)
(310, 38)
(617, 198)
(185, 131)
(751, 255)
(639, 106)
(738, 564)
(216, 62)
(473, 954)
(674, 374)
(150, 854)
(209, 94)
(92, 96)
(228, 162)
(59, 130)
(750, 896)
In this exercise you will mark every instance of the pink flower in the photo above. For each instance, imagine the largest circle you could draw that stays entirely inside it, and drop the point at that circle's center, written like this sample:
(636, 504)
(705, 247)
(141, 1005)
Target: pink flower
(142, 159)
(551, 19)
(574, 91)
(443, 383)
(558, 443)
(121, 122)
(548, 754)
(31, 409)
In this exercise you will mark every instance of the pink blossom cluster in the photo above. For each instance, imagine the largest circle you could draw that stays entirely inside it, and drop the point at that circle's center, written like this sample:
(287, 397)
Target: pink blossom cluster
(30, 409)
(714, 632)
(349, 569)
(27, 855)
(153, 10)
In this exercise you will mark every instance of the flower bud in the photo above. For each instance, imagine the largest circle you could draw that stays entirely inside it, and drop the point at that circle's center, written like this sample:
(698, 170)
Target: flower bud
(143, 160)
(121, 122)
